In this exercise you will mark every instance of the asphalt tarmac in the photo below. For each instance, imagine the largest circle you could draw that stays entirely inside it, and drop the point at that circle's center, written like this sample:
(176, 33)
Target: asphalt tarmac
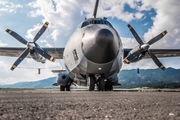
(51, 104)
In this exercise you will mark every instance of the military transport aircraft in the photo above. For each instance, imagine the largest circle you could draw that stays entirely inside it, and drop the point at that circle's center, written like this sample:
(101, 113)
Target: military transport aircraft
(93, 55)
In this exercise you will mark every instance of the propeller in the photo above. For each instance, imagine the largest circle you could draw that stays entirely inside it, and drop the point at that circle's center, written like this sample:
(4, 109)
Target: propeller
(31, 46)
(18, 37)
(145, 46)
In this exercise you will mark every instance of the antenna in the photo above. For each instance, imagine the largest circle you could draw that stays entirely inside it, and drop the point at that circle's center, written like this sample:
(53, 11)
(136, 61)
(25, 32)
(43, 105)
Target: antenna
(95, 9)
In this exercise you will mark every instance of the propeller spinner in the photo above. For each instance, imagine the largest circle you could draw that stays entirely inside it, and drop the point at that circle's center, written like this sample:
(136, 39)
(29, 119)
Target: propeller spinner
(30, 46)
(144, 47)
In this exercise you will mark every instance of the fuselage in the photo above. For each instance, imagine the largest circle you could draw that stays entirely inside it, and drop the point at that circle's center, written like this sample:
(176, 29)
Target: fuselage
(95, 48)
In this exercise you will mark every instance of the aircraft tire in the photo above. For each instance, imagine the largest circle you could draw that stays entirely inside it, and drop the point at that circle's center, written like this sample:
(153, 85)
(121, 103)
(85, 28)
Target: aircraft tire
(62, 88)
(108, 87)
(68, 88)
(101, 84)
(91, 83)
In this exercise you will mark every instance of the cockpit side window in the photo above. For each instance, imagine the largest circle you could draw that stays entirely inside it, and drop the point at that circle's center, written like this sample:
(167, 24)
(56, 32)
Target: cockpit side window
(107, 23)
(85, 23)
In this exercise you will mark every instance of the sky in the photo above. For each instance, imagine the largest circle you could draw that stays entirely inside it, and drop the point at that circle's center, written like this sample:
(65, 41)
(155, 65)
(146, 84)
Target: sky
(148, 17)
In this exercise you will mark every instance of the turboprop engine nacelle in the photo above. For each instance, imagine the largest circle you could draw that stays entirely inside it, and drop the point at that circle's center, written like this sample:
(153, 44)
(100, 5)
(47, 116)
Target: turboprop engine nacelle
(63, 79)
(134, 55)
(37, 57)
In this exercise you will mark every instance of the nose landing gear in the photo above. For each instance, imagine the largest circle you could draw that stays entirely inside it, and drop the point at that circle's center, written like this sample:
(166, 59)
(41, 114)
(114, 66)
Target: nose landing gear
(92, 80)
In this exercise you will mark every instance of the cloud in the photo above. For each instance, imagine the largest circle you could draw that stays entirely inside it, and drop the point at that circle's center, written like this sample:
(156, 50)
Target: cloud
(176, 31)
(62, 16)
(46, 43)
(3, 65)
(139, 15)
(2, 44)
(129, 42)
(115, 8)
(32, 32)
(8, 7)
(145, 24)
(166, 19)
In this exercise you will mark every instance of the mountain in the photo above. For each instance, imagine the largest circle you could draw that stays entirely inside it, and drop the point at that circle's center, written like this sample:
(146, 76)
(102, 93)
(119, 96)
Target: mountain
(46, 83)
(155, 78)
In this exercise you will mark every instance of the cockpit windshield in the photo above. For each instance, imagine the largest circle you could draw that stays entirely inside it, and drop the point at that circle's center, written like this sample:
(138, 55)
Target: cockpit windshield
(95, 21)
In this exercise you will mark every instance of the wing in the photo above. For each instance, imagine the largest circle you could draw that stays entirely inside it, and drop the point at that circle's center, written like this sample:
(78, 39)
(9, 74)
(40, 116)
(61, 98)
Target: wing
(55, 52)
(17, 51)
(160, 53)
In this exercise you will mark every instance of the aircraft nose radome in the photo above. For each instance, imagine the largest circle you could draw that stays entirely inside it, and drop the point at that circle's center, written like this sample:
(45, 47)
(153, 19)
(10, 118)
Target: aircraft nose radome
(102, 48)
(104, 37)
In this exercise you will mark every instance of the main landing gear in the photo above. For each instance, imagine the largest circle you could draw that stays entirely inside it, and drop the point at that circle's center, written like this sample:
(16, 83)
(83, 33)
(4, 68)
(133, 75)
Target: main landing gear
(63, 88)
(91, 83)
(100, 82)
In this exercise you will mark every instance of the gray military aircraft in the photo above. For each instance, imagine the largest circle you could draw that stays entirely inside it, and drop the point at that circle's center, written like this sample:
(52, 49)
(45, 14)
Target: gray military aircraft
(93, 55)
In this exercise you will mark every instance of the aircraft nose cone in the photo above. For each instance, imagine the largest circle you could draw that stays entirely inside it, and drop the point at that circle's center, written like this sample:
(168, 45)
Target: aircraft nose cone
(104, 37)
(102, 47)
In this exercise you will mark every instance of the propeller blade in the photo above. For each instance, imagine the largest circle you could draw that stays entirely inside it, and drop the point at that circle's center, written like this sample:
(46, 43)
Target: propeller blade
(156, 60)
(41, 31)
(138, 39)
(95, 8)
(19, 60)
(158, 37)
(18, 37)
(44, 54)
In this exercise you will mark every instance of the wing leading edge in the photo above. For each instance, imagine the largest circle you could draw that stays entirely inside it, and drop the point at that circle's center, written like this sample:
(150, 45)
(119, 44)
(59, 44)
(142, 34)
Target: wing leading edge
(16, 52)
